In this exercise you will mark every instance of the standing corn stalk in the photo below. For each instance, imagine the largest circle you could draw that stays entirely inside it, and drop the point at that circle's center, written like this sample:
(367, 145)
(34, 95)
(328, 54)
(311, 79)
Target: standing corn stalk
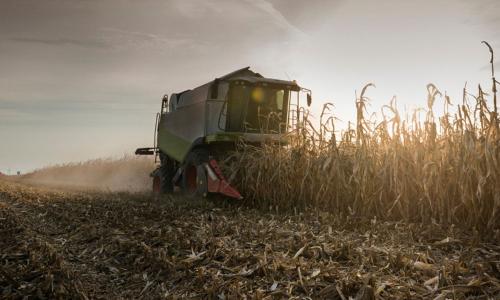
(436, 168)
(494, 116)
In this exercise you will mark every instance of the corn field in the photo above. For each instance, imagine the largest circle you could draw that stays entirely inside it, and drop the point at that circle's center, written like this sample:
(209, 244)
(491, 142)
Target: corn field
(421, 167)
(405, 206)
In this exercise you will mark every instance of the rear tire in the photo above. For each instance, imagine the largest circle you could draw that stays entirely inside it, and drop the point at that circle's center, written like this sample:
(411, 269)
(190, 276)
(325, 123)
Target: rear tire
(157, 184)
(194, 178)
(162, 181)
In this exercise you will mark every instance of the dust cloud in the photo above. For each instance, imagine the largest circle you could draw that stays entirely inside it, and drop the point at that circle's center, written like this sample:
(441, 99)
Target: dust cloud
(129, 173)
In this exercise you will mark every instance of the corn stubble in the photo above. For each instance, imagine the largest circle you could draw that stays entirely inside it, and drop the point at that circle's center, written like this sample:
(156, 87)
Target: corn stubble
(419, 168)
(91, 245)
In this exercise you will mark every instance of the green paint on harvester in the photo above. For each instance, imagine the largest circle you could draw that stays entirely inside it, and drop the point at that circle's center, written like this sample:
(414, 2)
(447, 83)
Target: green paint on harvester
(173, 145)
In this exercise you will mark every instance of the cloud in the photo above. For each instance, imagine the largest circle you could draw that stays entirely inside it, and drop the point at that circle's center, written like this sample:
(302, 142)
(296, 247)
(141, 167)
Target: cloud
(112, 38)
(485, 15)
(7, 115)
(275, 14)
(86, 43)
(135, 39)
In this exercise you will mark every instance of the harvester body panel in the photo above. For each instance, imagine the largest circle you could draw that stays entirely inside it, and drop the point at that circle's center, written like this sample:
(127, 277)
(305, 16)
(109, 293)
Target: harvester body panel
(223, 110)
(178, 129)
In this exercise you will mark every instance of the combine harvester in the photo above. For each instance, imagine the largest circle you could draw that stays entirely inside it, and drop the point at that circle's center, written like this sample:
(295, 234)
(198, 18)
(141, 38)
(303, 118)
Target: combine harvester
(198, 127)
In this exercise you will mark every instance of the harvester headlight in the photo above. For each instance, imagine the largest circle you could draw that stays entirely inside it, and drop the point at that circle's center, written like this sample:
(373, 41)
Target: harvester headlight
(258, 95)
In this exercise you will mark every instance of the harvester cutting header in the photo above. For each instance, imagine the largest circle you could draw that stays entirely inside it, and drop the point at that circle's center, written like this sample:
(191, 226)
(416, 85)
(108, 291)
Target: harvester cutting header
(195, 128)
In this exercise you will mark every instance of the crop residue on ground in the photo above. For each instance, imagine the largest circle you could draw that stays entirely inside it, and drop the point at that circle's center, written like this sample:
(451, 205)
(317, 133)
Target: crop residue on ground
(108, 245)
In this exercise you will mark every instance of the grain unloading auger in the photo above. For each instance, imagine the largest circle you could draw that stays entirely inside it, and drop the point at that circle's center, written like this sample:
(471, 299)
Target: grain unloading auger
(198, 127)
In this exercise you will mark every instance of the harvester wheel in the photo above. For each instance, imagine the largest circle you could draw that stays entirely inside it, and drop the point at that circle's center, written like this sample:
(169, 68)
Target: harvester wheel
(194, 179)
(157, 184)
(162, 182)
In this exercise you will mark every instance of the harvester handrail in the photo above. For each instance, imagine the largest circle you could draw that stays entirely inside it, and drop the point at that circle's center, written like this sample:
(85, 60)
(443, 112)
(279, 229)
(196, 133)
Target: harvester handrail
(155, 134)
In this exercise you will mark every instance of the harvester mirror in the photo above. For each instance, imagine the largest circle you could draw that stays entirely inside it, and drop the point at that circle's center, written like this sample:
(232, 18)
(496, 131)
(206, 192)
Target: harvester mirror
(164, 104)
(309, 99)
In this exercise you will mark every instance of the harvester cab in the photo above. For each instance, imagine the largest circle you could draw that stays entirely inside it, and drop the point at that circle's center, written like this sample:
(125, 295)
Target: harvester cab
(196, 128)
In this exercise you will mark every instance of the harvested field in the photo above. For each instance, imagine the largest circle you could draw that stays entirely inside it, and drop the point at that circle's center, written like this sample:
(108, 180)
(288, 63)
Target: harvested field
(65, 244)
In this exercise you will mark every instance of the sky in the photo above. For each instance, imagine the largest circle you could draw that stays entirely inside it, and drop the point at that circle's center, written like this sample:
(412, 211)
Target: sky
(83, 79)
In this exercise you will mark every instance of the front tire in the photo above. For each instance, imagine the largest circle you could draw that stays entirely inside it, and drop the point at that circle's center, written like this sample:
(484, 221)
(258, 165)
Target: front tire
(194, 179)
(162, 179)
